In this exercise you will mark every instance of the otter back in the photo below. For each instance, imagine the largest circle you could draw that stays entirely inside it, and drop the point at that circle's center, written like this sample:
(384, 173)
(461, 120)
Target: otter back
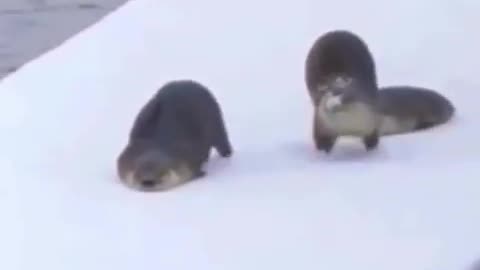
(182, 111)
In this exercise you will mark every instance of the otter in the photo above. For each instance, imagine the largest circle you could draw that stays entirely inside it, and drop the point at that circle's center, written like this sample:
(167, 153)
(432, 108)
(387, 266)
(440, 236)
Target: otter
(341, 80)
(407, 109)
(172, 136)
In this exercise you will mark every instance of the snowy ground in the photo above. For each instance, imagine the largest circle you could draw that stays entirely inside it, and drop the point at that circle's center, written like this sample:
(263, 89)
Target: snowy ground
(277, 204)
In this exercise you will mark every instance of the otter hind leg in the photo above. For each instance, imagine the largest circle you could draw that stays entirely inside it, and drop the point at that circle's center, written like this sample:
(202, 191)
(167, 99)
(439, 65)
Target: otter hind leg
(323, 140)
(371, 141)
(224, 148)
(221, 142)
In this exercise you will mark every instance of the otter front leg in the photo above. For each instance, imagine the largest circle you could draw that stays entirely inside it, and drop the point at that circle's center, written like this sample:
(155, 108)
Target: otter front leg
(371, 141)
(222, 142)
(197, 171)
(324, 141)
(199, 174)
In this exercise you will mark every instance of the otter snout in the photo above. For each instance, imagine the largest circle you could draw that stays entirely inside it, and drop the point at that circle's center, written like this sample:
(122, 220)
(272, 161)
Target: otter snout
(157, 180)
(148, 183)
(152, 170)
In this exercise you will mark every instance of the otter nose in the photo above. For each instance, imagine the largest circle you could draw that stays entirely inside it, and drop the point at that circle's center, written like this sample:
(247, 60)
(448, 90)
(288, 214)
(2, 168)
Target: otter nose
(148, 183)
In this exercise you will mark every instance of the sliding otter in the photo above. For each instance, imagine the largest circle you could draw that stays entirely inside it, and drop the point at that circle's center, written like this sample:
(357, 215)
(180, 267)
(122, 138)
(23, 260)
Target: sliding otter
(341, 79)
(409, 108)
(172, 136)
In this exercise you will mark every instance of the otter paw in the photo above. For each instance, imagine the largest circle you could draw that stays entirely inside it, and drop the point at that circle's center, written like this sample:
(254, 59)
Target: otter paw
(325, 143)
(226, 152)
(371, 142)
(200, 174)
(421, 125)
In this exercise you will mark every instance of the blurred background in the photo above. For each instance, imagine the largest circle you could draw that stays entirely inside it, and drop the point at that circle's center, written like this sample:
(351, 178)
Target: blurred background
(29, 28)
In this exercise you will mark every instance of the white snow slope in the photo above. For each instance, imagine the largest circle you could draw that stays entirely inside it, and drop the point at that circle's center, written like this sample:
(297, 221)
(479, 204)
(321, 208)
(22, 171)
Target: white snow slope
(277, 204)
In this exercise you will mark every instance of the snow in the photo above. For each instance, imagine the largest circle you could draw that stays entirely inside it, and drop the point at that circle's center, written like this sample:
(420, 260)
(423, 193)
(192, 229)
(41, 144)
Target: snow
(277, 204)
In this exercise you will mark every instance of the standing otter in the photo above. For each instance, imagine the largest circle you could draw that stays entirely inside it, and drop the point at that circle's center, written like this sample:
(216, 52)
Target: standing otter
(409, 108)
(172, 136)
(341, 79)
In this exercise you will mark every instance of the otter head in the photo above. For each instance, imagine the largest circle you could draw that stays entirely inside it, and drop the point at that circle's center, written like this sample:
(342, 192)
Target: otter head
(153, 170)
(338, 93)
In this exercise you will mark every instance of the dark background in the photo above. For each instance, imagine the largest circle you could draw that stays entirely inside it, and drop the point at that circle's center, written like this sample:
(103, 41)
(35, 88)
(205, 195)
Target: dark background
(29, 28)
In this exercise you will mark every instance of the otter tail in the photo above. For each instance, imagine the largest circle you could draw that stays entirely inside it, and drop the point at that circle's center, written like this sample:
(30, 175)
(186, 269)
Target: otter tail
(445, 115)
(442, 113)
(406, 109)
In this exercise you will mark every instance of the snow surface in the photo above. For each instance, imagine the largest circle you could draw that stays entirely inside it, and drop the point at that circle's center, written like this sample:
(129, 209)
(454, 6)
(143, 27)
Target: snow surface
(277, 204)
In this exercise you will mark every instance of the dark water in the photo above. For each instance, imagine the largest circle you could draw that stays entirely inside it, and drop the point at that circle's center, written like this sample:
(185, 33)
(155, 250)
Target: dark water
(29, 28)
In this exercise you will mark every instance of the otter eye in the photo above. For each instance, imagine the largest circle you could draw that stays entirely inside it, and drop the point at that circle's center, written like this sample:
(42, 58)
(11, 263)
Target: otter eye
(337, 92)
(322, 88)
